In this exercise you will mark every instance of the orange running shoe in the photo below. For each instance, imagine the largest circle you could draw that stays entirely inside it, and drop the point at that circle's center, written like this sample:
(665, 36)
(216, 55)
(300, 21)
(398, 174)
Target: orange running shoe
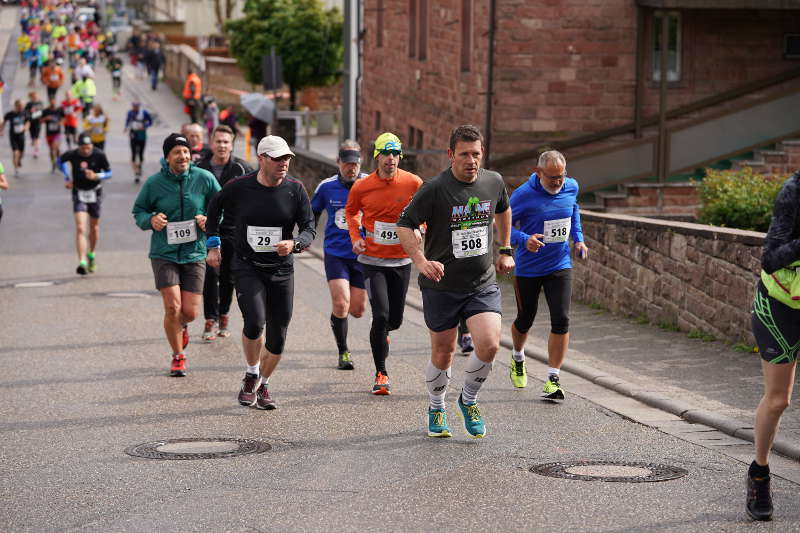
(381, 386)
(178, 368)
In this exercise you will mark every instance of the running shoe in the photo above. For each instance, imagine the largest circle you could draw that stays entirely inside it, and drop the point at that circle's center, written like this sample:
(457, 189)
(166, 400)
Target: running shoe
(466, 345)
(178, 367)
(223, 327)
(185, 335)
(518, 374)
(263, 399)
(82, 269)
(247, 394)
(759, 498)
(473, 421)
(208, 331)
(381, 387)
(346, 361)
(437, 423)
(92, 264)
(552, 388)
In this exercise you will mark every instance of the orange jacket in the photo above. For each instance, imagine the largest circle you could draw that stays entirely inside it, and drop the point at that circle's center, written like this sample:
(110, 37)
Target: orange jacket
(53, 76)
(192, 79)
(374, 199)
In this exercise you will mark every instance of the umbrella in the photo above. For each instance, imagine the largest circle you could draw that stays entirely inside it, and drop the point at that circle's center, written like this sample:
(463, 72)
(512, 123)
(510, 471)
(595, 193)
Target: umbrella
(258, 105)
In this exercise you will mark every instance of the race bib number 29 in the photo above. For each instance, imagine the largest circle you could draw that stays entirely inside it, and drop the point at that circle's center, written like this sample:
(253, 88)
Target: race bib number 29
(263, 238)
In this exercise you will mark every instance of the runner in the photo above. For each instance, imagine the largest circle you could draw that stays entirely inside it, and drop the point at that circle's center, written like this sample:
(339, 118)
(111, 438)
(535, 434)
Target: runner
(218, 288)
(375, 203)
(267, 205)
(70, 107)
(547, 212)
(194, 132)
(18, 124)
(172, 203)
(96, 125)
(115, 66)
(3, 186)
(53, 77)
(84, 90)
(89, 168)
(776, 327)
(343, 271)
(136, 123)
(457, 272)
(52, 117)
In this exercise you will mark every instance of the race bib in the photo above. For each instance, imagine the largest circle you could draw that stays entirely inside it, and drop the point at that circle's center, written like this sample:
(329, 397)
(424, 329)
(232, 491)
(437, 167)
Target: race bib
(470, 242)
(556, 230)
(137, 125)
(263, 238)
(116, 74)
(385, 233)
(53, 77)
(53, 127)
(340, 220)
(36, 114)
(19, 128)
(87, 197)
(181, 232)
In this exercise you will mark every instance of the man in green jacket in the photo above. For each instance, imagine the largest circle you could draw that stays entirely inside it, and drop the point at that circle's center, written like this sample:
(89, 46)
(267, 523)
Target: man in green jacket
(173, 203)
(84, 90)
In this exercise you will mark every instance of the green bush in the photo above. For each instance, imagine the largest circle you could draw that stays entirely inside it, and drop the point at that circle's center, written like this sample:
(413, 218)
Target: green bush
(738, 199)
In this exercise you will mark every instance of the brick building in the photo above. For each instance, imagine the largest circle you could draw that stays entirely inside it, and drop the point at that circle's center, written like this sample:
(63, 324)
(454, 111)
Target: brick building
(580, 75)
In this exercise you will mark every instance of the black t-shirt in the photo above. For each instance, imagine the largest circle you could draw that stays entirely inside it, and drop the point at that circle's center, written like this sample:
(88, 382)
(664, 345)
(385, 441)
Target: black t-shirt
(459, 235)
(33, 112)
(95, 161)
(16, 122)
(263, 216)
(52, 120)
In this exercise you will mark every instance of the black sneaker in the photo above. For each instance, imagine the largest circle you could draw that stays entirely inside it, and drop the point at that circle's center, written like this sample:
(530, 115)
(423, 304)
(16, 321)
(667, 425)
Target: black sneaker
(263, 399)
(759, 498)
(247, 394)
(82, 269)
(346, 361)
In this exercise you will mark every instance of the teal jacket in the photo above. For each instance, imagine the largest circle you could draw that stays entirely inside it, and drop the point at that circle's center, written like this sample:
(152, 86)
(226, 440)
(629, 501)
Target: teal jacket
(180, 198)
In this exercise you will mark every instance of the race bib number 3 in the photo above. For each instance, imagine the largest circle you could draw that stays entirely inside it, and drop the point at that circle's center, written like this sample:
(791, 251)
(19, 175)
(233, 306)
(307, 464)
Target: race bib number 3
(385, 233)
(470, 242)
(87, 197)
(263, 238)
(339, 219)
(181, 232)
(556, 230)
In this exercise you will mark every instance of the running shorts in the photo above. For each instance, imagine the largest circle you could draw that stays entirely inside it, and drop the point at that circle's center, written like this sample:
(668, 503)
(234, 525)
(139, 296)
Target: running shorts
(776, 327)
(443, 310)
(188, 276)
(344, 268)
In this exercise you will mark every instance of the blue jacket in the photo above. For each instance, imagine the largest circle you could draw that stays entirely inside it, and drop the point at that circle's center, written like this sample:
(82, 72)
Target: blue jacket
(533, 208)
(331, 196)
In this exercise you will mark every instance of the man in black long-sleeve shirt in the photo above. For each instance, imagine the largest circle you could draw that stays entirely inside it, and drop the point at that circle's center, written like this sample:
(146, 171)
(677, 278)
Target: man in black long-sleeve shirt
(266, 205)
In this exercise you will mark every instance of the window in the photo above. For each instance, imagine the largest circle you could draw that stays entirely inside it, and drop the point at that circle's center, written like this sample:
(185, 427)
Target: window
(673, 46)
(418, 29)
(466, 35)
(379, 25)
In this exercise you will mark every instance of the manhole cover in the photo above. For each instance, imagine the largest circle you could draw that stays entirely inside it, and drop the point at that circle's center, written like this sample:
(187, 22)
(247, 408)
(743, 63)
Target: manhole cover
(619, 471)
(213, 448)
(33, 284)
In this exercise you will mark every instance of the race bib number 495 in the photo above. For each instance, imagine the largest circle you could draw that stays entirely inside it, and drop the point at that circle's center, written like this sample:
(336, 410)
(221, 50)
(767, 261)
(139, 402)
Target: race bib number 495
(385, 233)
(470, 242)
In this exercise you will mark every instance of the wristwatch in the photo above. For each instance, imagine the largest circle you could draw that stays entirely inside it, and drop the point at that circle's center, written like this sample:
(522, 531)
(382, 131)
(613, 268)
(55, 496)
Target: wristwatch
(506, 250)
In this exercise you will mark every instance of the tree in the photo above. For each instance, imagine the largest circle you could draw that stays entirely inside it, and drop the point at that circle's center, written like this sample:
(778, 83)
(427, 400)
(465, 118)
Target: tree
(304, 34)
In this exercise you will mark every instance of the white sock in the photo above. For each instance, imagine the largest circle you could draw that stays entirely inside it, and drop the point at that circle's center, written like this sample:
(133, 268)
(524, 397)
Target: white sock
(264, 381)
(475, 374)
(518, 356)
(436, 380)
(252, 369)
(553, 371)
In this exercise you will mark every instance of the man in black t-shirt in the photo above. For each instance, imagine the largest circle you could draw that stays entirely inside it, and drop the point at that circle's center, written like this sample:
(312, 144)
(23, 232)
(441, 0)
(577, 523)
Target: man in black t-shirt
(33, 114)
(52, 117)
(18, 124)
(89, 167)
(457, 271)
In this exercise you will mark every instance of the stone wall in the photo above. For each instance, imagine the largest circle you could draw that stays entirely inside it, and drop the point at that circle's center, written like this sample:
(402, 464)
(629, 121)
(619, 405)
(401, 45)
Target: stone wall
(311, 168)
(693, 276)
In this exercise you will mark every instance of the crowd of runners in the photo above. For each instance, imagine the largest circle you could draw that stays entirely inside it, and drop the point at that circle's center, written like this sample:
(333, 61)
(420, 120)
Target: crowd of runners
(219, 226)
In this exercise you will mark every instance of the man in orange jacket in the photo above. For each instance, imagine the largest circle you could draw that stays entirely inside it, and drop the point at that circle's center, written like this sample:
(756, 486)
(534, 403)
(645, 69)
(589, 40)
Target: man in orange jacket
(192, 93)
(52, 77)
(375, 203)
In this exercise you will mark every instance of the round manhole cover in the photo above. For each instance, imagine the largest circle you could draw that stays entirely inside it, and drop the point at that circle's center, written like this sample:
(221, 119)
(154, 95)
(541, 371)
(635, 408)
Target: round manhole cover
(615, 471)
(213, 448)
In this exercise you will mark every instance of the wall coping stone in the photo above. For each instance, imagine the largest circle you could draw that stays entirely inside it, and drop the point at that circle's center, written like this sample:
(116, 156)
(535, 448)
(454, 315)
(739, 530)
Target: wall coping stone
(752, 238)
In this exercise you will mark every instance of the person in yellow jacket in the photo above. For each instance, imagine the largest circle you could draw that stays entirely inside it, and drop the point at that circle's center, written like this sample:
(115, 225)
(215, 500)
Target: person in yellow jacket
(23, 45)
(84, 90)
(96, 125)
(192, 93)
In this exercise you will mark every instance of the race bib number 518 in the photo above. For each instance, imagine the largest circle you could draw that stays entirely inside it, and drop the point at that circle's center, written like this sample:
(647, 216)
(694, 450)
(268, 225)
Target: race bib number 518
(556, 230)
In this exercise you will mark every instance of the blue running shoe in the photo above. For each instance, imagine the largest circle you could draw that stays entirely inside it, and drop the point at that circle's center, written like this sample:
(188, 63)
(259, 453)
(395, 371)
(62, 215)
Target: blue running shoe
(473, 421)
(437, 423)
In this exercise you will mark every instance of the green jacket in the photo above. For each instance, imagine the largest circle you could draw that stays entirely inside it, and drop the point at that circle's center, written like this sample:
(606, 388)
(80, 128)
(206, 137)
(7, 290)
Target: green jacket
(84, 89)
(180, 198)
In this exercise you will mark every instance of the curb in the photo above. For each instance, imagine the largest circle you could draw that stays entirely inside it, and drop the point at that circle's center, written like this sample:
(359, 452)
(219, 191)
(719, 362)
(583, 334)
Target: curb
(689, 413)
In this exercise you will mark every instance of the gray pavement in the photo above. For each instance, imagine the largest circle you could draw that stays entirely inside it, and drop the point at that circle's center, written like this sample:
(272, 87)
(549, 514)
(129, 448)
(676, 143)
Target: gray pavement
(83, 377)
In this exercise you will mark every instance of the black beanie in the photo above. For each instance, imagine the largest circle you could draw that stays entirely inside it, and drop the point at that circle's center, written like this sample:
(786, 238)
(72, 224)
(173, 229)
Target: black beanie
(175, 139)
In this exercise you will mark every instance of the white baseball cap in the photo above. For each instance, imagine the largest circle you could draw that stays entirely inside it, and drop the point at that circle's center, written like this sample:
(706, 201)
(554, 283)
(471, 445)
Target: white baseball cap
(273, 146)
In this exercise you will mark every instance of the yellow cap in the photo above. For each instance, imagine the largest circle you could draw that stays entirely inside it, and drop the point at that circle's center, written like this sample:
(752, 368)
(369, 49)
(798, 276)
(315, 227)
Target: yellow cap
(387, 141)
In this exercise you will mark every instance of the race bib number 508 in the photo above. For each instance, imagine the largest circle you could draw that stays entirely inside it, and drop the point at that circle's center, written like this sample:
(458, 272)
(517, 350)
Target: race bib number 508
(470, 242)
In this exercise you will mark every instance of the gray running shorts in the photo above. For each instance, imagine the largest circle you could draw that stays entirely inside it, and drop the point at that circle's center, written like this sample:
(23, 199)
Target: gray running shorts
(189, 276)
(444, 309)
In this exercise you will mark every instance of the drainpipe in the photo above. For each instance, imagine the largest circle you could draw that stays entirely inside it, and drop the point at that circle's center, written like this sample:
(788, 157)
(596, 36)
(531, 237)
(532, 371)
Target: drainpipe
(490, 85)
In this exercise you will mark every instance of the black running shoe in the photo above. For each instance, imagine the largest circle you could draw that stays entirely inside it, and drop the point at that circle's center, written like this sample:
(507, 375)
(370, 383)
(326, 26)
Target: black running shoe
(759, 498)
(82, 269)
(346, 361)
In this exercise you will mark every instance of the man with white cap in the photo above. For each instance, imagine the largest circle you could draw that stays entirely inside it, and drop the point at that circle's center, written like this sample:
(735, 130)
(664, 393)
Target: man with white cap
(266, 205)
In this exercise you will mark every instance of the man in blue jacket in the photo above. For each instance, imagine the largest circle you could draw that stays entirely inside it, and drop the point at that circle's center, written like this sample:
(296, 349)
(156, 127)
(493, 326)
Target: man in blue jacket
(545, 215)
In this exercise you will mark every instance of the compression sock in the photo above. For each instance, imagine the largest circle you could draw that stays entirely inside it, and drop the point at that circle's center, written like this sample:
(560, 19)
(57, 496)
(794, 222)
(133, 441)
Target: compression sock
(436, 380)
(339, 327)
(475, 374)
(518, 356)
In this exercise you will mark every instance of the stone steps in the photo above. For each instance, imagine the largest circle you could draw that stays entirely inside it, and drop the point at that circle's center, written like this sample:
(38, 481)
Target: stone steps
(678, 198)
(783, 160)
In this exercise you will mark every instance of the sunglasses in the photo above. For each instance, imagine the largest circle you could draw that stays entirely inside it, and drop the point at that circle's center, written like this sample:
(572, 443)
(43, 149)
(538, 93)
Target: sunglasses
(286, 157)
(390, 152)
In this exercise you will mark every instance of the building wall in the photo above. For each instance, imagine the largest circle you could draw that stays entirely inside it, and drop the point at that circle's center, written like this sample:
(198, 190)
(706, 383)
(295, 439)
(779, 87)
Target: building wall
(562, 68)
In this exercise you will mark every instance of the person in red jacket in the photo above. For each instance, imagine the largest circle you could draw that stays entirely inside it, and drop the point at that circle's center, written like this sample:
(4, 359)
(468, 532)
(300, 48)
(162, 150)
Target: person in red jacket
(192, 94)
